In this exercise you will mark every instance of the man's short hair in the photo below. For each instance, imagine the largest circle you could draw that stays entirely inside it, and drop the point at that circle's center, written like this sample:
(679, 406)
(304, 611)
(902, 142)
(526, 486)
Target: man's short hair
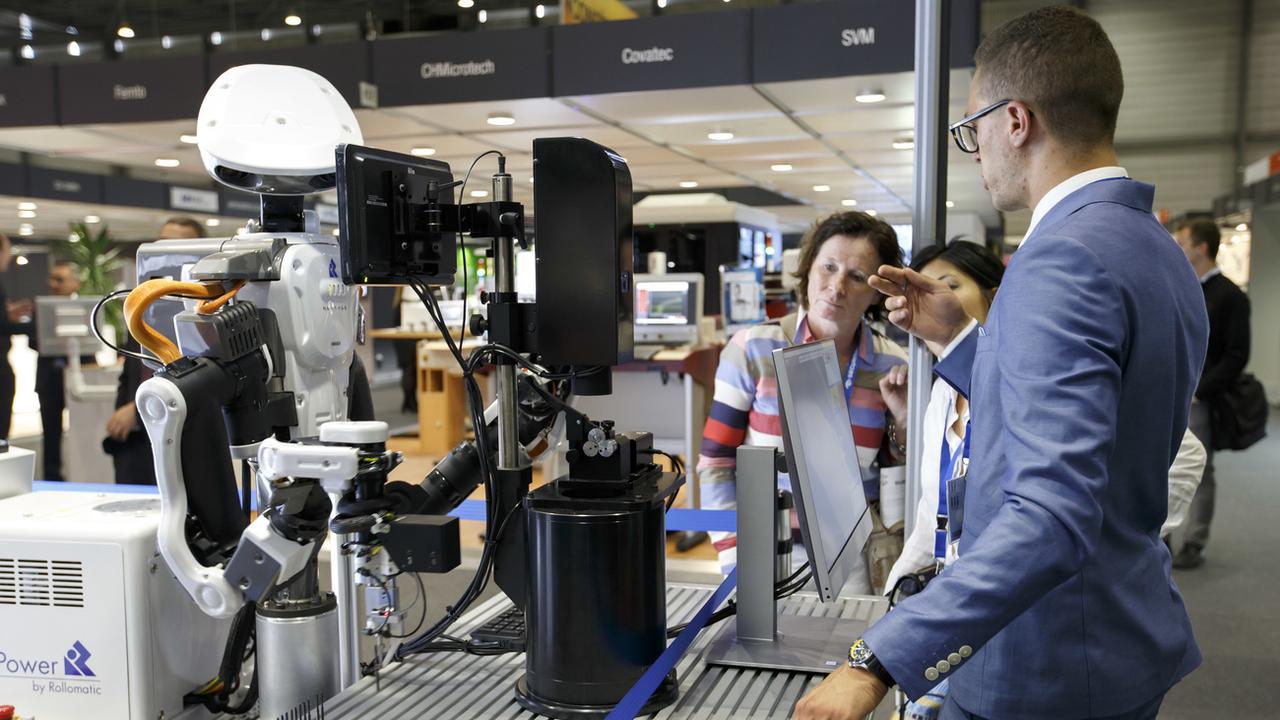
(190, 223)
(1203, 230)
(1060, 62)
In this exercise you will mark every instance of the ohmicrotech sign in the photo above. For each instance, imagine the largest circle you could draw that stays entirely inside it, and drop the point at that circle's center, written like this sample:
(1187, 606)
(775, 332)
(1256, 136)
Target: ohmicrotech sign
(455, 67)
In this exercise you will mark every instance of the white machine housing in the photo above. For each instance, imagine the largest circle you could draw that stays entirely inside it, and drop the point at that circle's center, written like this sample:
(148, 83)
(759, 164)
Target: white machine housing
(17, 469)
(80, 570)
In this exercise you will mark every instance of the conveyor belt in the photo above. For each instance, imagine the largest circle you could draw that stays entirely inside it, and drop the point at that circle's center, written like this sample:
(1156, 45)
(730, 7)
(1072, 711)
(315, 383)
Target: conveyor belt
(457, 686)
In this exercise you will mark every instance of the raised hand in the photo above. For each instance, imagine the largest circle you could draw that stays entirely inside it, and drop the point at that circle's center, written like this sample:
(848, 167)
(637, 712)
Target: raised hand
(893, 388)
(920, 305)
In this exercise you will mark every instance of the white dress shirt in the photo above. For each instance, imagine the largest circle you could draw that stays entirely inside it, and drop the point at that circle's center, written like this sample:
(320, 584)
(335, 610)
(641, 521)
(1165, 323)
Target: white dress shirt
(1205, 277)
(1068, 186)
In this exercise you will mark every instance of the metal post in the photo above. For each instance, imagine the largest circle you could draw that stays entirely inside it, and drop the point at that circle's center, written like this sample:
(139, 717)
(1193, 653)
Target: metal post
(342, 577)
(928, 217)
(504, 260)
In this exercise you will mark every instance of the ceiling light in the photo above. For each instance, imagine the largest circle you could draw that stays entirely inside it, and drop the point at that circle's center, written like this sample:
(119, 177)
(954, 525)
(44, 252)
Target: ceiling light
(500, 118)
(118, 45)
(27, 206)
(483, 16)
(73, 238)
(872, 213)
(1242, 227)
(689, 184)
(662, 3)
(903, 143)
(166, 42)
(26, 229)
(167, 162)
(336, 232)
(71, 30)
(292, 19)
(479, 193)
(189, 139)
(92, 219)
(27, 52)
(540, 10)
(73, 49)
(215, 38)
(124, 30)
(780, 167)
(720, 135)
(423, 151)
(316, 30)
(26, 214)
(21, 260)
(869, 96)
(212, 222)
(465, 4)
(822, 188)
(849, 202)
(950, 204)
(266, 35)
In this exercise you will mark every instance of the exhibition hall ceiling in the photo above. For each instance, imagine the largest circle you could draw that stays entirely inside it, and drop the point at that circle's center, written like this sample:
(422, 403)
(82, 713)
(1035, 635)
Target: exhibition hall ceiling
(839, 150)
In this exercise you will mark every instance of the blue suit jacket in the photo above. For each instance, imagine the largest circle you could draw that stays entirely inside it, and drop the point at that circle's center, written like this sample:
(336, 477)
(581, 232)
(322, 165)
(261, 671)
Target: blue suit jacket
(1062, 604)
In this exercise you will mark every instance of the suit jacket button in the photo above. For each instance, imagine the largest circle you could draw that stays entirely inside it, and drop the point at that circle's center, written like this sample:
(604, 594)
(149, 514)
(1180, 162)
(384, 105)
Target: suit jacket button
(965, 651)
(944, 666)
(931, 674)
(954, 659)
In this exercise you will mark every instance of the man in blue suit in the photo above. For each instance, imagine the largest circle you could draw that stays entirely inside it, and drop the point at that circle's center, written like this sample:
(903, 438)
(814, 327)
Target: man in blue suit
(1061, 604)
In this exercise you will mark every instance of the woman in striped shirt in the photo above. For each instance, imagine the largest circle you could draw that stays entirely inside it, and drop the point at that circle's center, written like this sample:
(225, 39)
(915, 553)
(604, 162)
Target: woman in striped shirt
(836, 258)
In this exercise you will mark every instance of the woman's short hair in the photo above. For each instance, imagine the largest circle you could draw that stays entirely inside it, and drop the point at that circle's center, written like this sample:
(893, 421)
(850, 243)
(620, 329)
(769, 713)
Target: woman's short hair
(855, 225)
(983, 267)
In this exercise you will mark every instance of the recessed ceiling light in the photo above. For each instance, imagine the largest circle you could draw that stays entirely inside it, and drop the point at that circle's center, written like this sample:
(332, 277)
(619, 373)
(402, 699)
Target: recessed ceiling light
(423, 151)
(27, 52)
(501, 119)
(869, 96)
(822, 188)
(73, 238)
(118, 45)
(26, 229)
(540, 10)
(466, 4)
(720, 135)
(483, 16)
(215, 38)
(124, 31)
(689, 184)
(167, 162)
(903, 143)
(292, 19)
(189, 139)
(1242, 227)
(26, 206)
(26, 214)
(950, 204)
(780, 167)
(92, 219)
(212, 222)
(662, 3)
(166, 42)
(872, 213)
(73, 49)
(336, 232)
(21, 260)
(849, 202)
(266, 35)
(479, 193)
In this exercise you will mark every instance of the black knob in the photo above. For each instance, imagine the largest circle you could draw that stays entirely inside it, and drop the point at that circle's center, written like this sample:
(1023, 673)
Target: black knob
(478, 325)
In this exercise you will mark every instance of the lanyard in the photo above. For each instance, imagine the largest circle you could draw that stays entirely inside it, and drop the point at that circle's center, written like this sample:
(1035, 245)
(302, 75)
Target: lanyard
(851, 372)
(948, 463)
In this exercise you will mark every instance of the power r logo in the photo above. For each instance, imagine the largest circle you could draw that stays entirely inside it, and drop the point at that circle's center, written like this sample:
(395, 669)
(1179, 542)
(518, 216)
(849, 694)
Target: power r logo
(77, 661)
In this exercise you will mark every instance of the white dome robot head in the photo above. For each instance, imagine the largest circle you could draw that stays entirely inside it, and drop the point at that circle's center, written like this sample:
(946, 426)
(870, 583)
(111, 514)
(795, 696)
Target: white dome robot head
(272, 129)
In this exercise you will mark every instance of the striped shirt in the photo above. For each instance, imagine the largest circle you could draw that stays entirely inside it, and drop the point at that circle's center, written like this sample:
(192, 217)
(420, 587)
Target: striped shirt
(745, 410)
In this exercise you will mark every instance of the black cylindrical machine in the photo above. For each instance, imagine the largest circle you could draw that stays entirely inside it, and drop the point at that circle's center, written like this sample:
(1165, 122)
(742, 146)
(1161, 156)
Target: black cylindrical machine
(595, 617)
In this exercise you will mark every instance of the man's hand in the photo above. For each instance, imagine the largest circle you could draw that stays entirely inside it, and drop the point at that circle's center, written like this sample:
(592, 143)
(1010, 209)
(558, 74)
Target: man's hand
(893, 388)
(846, 694)
(123, 421)
(18, 310)
(922, 306)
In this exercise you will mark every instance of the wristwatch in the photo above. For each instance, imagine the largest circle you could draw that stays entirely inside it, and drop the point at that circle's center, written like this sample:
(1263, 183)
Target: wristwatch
(861, 657)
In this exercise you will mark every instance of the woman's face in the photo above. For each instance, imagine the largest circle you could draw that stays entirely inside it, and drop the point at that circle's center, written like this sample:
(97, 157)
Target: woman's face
(973, 298)
(838, 291)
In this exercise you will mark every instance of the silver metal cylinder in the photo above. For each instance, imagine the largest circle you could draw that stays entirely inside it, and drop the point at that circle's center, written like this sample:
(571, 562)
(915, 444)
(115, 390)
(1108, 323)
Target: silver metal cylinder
(502, 187)
(297, 668)
(508, 432)
(783, 535)
(347, 621)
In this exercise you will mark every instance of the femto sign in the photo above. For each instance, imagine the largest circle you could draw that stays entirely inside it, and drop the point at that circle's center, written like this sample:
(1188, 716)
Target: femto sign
(631, 56)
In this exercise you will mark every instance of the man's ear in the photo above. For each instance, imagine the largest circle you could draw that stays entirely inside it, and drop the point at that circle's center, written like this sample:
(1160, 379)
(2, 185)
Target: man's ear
(1020, 118)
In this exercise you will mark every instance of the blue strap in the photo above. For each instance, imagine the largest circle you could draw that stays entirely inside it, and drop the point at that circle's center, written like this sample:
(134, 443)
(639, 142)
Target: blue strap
(639, 694)
(947, 465)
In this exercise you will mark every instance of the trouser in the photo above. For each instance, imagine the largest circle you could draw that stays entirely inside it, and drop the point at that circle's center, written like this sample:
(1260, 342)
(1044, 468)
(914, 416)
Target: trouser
(7, 391)
(1200, 514)
(1148, 711)
(51, 388)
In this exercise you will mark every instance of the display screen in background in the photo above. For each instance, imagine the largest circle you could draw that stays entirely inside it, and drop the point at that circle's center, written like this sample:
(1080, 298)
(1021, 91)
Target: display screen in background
(662, 303)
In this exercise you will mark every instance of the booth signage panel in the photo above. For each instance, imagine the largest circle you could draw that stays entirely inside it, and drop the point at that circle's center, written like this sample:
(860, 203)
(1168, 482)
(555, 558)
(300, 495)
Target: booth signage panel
(65, 185)
(345, 65)
(678, 51)
(195, 200)
(848, 37)
(27, 96)
(13, 179)
(132, 192)
(463, 67)
(131, 90)
(238, 203)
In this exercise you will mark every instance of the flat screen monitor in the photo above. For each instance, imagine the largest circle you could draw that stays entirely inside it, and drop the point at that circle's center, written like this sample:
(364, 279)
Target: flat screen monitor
(825, 475)
(668, 308)
(59, 319)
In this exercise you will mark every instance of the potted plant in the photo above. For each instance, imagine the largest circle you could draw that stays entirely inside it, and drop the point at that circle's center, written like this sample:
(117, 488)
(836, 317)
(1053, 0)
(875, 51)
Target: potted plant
(98, 264)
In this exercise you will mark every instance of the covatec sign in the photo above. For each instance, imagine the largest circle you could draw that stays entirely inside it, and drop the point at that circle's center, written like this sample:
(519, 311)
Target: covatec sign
(678, 51)
(463, 67)
(131, 90)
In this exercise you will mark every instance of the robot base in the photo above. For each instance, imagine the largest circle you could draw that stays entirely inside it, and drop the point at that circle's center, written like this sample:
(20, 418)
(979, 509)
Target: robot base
(666, 694)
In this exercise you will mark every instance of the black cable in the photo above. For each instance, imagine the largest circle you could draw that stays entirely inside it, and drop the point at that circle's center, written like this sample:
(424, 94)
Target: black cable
(246, 485)
(93, 324)
(422, 619)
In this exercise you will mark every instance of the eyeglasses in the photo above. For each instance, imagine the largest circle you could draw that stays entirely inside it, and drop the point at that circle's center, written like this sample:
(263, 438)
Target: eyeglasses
(965, 133)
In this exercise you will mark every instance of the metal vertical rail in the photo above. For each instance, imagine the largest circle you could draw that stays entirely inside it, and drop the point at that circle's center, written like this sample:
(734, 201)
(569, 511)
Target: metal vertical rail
(928, 216)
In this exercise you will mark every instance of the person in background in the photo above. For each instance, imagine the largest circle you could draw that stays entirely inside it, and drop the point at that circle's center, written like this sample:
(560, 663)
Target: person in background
(15, 320)
(1228, 309)
(51, 383)
(836, 258)
(127, 441)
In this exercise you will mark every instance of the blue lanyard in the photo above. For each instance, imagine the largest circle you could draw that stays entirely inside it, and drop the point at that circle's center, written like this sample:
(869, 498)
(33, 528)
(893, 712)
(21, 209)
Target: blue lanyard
(851, 372)
(947, 465)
